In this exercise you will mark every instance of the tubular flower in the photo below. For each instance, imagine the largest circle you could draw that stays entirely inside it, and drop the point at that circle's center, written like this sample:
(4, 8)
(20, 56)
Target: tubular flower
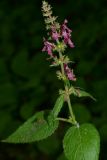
(48, 47)
(69, 73)
(66, 34)
(55, 35)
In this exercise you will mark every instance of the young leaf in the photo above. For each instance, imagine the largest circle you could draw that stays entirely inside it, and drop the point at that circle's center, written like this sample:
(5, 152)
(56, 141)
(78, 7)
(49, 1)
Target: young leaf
(82, 143)
(58, 105)
(36, 128)
(81, 93)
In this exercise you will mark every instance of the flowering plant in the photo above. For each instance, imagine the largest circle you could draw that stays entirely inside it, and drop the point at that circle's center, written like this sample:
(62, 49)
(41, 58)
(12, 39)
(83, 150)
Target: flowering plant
(81, 141)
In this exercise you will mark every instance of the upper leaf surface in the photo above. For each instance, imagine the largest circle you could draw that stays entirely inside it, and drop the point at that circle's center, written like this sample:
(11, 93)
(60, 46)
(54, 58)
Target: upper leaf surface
(82, 143)
(36, 128)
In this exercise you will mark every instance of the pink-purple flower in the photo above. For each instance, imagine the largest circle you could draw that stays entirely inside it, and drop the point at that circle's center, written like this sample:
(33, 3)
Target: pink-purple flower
(48, 47)
(69, 73)
(55, 35)
(66, 34)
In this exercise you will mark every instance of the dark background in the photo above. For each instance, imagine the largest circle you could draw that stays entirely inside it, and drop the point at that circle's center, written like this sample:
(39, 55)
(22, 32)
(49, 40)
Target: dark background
(28, 85)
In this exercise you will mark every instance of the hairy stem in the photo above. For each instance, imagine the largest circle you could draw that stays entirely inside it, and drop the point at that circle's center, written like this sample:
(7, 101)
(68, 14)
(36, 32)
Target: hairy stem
(63, 119)
(70, 110)
(68, 97)
(62, 66)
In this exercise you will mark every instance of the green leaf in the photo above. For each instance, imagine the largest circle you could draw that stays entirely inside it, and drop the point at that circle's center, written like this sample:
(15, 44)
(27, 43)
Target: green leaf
(58, 105)
(82, 143)
(80, 93)
(36, 128)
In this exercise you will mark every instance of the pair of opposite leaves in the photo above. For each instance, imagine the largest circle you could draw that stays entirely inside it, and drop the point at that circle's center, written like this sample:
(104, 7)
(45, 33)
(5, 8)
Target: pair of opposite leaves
(79, 143)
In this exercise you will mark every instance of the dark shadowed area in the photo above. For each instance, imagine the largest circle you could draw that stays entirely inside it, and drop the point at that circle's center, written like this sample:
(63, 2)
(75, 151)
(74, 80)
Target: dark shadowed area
(28, 84)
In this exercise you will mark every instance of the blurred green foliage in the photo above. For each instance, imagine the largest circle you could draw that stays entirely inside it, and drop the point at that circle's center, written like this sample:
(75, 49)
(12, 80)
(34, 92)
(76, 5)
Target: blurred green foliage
(27, 84)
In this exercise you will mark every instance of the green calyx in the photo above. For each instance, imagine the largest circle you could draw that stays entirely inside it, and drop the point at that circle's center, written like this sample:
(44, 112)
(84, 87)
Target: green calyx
(60, 47)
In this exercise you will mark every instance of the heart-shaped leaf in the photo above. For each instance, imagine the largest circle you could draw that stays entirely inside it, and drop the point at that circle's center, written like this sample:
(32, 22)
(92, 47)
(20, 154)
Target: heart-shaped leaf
(36, 128)
(82, 143)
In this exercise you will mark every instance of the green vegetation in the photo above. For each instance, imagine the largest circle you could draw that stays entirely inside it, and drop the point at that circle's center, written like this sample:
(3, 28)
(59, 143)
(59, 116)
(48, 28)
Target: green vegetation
(26, 81)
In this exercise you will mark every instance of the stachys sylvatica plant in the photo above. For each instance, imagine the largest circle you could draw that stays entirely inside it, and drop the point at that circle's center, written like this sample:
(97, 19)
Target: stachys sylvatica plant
(81, 142)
